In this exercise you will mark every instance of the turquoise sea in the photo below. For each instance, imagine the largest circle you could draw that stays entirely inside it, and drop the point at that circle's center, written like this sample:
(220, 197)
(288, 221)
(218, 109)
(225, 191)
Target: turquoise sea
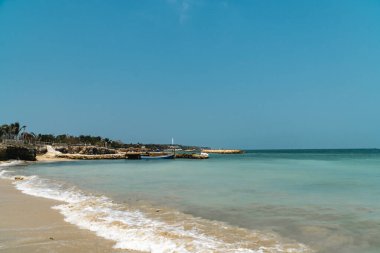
(259, 201)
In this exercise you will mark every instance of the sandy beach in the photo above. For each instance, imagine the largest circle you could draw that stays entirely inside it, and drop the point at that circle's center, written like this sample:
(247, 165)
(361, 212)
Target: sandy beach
(45, 158)
(28, 224)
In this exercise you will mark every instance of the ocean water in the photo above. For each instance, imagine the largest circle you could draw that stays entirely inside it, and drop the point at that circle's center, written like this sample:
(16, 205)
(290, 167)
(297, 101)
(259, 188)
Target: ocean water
(260, 201)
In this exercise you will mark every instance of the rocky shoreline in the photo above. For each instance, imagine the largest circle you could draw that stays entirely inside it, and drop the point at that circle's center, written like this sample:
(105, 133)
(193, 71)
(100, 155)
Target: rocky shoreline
(93, 157)
(17, 152)
(61, 153)
(191, 156)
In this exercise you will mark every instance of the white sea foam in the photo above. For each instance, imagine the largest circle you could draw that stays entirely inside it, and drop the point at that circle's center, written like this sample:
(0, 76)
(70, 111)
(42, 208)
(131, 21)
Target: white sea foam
(132, 229)
(3, 174)
(7, 174)
(11, 163)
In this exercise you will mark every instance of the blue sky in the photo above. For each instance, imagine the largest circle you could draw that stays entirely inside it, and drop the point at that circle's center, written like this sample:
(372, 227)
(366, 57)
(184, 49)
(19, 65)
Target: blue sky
(244, 74)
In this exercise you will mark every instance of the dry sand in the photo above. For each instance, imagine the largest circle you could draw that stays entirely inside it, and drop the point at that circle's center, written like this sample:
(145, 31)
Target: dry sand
(28, 225)
(45, 158)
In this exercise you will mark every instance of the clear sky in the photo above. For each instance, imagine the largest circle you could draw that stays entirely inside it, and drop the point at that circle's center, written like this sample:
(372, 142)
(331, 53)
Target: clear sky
(239, 74)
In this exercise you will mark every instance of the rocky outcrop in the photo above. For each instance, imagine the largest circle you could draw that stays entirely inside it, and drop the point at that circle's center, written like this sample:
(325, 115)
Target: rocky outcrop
(41, 149)
(62, 149)
(17, 152)
(88, 150)
(92, 157)
(191, 156)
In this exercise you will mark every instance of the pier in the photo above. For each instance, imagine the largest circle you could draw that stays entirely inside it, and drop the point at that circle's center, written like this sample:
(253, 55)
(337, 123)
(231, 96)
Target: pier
(223, 151)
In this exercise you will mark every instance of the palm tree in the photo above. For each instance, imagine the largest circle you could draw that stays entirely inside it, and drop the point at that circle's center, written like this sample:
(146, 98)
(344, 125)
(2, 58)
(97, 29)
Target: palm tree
(5, 130)
(11, 131)
(28, 137)
(22, 129)
(14, 130)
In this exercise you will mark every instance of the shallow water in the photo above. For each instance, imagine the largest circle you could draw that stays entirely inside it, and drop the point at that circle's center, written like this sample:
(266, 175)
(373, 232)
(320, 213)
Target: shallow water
(262, 201)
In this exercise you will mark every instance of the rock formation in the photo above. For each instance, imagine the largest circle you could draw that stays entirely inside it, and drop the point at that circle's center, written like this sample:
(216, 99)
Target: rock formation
(17, 152)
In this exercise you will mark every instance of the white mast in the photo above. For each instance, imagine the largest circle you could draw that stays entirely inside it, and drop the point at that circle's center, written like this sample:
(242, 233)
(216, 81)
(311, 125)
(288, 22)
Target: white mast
(172, 141)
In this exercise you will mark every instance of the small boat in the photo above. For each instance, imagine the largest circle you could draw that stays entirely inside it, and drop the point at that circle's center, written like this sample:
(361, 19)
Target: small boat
(204, 155)
(157, 156)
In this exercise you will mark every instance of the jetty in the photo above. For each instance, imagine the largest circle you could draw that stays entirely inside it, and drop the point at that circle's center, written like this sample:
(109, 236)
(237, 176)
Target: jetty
(223, 151)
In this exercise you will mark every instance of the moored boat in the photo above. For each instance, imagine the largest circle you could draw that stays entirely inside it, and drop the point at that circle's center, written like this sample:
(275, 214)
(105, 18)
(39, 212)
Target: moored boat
(204, 155)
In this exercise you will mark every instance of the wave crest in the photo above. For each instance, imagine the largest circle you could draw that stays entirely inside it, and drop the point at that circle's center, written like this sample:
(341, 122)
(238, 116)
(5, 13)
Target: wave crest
(135, 230)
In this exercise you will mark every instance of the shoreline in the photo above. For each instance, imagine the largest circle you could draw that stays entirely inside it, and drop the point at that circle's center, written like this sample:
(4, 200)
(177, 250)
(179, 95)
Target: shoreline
(40, 208)
(31, 225)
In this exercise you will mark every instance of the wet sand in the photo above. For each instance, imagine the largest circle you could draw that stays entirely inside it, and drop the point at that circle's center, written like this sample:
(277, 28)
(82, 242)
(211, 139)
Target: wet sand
(28, 224)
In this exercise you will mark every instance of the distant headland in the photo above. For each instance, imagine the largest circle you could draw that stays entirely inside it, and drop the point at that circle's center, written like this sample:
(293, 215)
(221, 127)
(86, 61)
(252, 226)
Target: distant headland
(17, 143)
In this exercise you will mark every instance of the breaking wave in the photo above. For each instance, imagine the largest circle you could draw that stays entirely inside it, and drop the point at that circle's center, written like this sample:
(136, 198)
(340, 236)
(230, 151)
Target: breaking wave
(155, 231)
(12, 163)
